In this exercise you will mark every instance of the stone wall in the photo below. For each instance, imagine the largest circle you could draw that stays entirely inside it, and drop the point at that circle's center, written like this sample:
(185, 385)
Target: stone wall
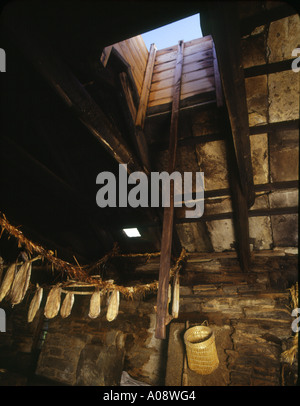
(251, 319)
(250, 314)
(82, 351)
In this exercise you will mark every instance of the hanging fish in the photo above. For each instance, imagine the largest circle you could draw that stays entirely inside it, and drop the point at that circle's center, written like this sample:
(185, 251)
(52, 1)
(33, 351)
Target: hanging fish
(67, 305)
(95, 304)
(113, 306)
(7, 281)
(175, 303)
(53, 302)
(21, 283)
(35, 303)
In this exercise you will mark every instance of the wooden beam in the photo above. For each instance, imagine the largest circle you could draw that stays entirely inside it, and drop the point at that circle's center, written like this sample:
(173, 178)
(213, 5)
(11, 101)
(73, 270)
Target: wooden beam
(278, 211)
(221, 21)
(202, 139)
(141, 141)
(263, 187)
(141, 113)
(75, 96)
(280, 125)
(166, 247)
(218, 84)
(268, 68)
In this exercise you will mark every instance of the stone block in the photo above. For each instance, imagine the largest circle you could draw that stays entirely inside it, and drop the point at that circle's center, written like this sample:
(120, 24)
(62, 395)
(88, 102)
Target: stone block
(260, 158)
(283, 37)
(253, 50)
(221, 234)
(212, 161)
(284, 155)
(260, 230)
(99, 366)
(257, 99)
(285, 230)
(283, 96)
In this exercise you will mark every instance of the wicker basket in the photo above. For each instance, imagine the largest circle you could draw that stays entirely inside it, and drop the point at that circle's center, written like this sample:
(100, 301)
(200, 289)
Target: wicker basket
(201, 349)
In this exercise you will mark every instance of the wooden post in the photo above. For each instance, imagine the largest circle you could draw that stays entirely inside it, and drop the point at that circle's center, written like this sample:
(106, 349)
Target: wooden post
(142, 109)
(165, 259)
(221, 21)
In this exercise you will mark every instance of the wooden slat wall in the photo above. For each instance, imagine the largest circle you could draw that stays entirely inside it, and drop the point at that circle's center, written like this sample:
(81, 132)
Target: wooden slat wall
(135, 52)
(197, 73)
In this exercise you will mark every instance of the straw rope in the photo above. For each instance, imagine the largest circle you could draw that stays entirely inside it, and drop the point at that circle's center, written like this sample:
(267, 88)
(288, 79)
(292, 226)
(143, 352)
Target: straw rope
(81, 273)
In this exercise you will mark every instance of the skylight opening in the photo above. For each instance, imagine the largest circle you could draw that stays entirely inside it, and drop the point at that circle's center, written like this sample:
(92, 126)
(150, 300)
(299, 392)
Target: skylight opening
(132, 232)
(186, 29)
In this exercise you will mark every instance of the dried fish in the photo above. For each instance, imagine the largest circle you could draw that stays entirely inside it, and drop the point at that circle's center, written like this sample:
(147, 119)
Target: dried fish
(7, 281)
(67, 305)
(35, 303)
(175, 303)
(95, 304)
(21, 283)
(113, 306)
(53, 302)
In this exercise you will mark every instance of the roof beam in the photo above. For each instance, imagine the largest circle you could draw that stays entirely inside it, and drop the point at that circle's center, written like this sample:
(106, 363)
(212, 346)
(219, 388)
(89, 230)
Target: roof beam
(221, 21)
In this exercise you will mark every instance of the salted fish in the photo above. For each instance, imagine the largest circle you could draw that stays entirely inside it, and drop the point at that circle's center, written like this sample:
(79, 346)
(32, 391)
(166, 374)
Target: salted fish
(53, 302)
(21, 283)
(175, 303)
(113, 306)
(67, 305)
(35, 303)
(95, 304)
(7, 281)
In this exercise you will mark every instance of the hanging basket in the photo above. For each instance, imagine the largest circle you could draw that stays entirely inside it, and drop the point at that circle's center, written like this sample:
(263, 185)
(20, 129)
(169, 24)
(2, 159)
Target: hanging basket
(201, 349)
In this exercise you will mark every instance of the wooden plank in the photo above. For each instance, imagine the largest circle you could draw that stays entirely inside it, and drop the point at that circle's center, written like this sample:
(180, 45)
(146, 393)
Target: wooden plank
(191, 67)
(198, 86)
(138, 63)
(188, 44)
(200, 58)
(138, 77)
(166, 247)
(218, 84)
(196, 48)
(140, 51)
(169, 57)
(142, 46)
(188, 89)
(141, 114)
(197, 41)
(187, 77)
(169, 54)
